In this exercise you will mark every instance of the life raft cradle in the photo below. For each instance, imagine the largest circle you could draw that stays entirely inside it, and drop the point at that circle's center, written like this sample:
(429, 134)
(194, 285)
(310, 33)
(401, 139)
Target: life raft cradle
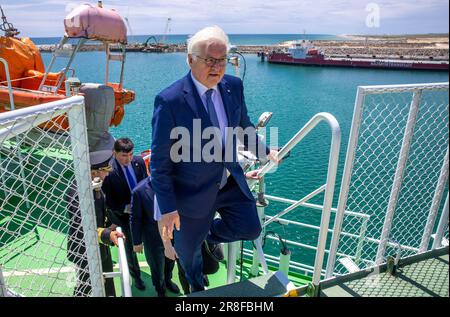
(122, 96)
(37, 87)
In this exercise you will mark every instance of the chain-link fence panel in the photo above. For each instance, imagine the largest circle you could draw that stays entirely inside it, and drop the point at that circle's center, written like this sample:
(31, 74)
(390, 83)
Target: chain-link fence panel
(45, 201)
(400, 144)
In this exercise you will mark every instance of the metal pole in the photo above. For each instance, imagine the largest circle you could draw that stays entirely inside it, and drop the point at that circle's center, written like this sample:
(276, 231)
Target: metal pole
(12, 106)
(321, 116)
(107, 63)
(124, 270)
(80, 149)
(346, 177)
(3, 291)
(362, 236)
(262, 259)
(428, 230)
(231, 262)
(296, 204)
(11, 102)
(261, 204)
(328, 199)
(398, 178)
(122, 66)
(8, 79)
(49, 68)
(60, 80)
(441, 226)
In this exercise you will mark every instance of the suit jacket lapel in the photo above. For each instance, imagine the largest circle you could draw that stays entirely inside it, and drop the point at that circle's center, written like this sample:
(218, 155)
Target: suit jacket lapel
(230, 107)
(137, 171)
(194, 101)
(119, 171)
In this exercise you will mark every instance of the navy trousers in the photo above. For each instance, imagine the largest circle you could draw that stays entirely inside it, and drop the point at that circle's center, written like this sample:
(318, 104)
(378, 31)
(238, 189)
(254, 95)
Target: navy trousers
(161, 267)
(239, 221)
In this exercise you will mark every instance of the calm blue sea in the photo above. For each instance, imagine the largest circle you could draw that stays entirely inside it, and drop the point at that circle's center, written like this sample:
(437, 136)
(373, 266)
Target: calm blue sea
(293, 93)
(235, 39)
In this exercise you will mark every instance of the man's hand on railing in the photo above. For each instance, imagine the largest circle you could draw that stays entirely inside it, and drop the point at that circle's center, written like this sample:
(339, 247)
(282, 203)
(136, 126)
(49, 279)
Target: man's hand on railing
(138, 248)
(253, 174)
(273, 156)
(114, 237)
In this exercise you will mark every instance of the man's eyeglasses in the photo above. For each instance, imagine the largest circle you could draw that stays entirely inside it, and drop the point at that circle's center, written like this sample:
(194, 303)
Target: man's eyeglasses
(214, 61)
(108, 168)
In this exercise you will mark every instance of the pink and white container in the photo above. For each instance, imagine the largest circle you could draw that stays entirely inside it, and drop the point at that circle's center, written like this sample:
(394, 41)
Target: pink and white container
(95, 23)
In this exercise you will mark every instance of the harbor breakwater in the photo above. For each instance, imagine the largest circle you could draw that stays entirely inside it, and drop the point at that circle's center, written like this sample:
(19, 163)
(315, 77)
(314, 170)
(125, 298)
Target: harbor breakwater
(383, 47)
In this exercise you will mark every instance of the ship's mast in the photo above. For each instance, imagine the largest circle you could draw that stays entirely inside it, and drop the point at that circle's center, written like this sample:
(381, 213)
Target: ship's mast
(7, 27)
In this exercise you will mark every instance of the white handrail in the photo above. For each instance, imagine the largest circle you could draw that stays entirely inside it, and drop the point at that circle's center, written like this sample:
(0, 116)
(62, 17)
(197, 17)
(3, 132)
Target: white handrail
(123, 266)
(329, 186)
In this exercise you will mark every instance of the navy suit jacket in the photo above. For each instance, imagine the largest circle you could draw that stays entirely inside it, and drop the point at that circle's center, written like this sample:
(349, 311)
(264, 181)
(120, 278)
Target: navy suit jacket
(192, 187)
(141, 219)
(115, 185)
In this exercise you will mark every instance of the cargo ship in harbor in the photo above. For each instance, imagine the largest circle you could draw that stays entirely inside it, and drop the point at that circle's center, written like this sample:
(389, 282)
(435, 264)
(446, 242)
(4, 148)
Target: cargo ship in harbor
(303, 52)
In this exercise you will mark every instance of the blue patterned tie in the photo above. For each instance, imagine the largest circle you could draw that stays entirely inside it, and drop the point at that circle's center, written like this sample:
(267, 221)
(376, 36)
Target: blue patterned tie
(130, 178)
(215, 121)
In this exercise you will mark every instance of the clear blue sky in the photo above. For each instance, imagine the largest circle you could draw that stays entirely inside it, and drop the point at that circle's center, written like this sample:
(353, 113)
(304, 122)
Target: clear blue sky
(45, 17)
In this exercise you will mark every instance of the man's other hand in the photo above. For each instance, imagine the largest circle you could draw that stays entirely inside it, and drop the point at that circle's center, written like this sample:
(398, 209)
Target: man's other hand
(138, 248)
(169, 251)
(167, 222)
(114, 237)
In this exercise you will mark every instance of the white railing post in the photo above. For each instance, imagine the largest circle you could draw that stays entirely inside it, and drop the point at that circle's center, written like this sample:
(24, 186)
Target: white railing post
(12, 106)
(351, 150)
(3, 291)
(428, 230)
(260, 252)
(328, 199)
(231, 262)
(123, 266)
(80, 151)
(361, 240)
(443, 222)
(398, 178)
(8, 80)
(329, 187)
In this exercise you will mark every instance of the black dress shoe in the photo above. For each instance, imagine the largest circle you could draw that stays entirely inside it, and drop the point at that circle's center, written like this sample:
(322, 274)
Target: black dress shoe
(172, 287)
(205, 280)
(215, 251)
(139, 284)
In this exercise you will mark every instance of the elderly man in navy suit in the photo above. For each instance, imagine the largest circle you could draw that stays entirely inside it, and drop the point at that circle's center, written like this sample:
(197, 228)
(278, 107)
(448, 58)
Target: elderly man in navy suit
(194, 165)
(128, 171)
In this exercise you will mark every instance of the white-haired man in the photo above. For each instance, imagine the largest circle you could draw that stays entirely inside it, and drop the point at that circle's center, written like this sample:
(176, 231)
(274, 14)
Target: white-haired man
(190, 186)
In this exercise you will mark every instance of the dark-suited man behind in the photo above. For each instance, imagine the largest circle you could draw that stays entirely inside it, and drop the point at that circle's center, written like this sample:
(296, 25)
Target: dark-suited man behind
(145, 230)
(100, 167)
(128, 171)
(189, 192)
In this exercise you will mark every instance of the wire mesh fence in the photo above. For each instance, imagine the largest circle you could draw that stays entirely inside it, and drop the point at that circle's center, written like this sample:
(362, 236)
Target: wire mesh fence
(43, 154)
(401, 143)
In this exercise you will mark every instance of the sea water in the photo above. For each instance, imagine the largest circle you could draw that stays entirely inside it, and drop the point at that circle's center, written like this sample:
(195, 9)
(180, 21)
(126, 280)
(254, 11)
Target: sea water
(293, 93)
